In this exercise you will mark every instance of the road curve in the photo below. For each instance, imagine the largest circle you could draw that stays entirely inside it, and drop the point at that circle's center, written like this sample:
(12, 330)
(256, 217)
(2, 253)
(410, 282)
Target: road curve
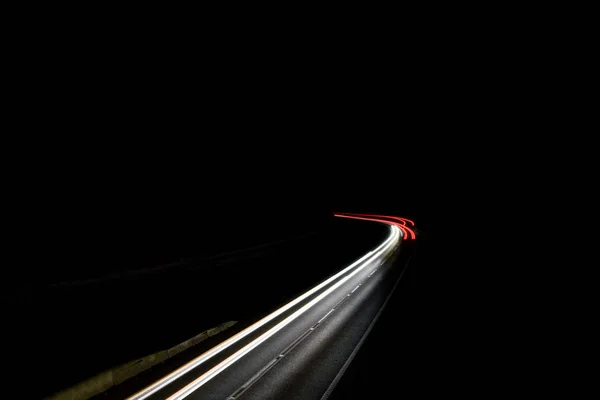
(301, 349)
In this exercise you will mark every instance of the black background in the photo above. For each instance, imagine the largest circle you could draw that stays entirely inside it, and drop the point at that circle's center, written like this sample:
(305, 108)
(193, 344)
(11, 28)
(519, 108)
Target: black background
(139, 173)
(166, 142)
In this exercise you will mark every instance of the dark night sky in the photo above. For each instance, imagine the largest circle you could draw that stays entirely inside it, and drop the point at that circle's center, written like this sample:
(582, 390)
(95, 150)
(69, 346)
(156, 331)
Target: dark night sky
(146, 161)
(95, 206)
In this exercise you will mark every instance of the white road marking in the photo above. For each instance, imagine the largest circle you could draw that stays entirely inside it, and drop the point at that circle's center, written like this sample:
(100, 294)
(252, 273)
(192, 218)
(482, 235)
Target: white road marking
(163, 382)
(210, 374)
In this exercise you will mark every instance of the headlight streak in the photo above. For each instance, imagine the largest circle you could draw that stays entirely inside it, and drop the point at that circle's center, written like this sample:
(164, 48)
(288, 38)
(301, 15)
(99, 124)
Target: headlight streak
(168, 379)
(389, 244)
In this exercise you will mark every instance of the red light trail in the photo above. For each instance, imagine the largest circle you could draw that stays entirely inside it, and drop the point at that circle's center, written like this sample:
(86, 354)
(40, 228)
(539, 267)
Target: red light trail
(402, 225)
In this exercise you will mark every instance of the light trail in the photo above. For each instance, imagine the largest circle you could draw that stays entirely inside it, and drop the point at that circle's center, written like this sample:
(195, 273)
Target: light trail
(403, 220)
(207, 376)
(168, 379)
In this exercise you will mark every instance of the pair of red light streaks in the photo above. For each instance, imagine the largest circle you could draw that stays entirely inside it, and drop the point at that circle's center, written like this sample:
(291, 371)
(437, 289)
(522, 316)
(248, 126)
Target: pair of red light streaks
(398, 221)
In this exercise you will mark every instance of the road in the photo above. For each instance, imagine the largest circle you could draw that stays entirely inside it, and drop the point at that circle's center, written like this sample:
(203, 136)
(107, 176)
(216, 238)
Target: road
(301, 350)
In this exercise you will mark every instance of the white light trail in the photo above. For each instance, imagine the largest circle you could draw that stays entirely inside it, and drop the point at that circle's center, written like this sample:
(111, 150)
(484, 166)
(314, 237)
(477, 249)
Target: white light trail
(163, 382)
(207, 376)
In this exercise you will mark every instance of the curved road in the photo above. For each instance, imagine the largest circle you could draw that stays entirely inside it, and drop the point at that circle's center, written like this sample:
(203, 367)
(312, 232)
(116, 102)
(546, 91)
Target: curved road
(301, 350)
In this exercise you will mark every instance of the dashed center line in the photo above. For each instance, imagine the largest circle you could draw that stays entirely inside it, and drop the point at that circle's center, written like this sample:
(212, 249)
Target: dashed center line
(296, 342)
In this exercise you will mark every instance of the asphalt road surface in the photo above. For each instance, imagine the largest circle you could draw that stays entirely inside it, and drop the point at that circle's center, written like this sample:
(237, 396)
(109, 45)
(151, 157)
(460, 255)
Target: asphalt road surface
(301, 350)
